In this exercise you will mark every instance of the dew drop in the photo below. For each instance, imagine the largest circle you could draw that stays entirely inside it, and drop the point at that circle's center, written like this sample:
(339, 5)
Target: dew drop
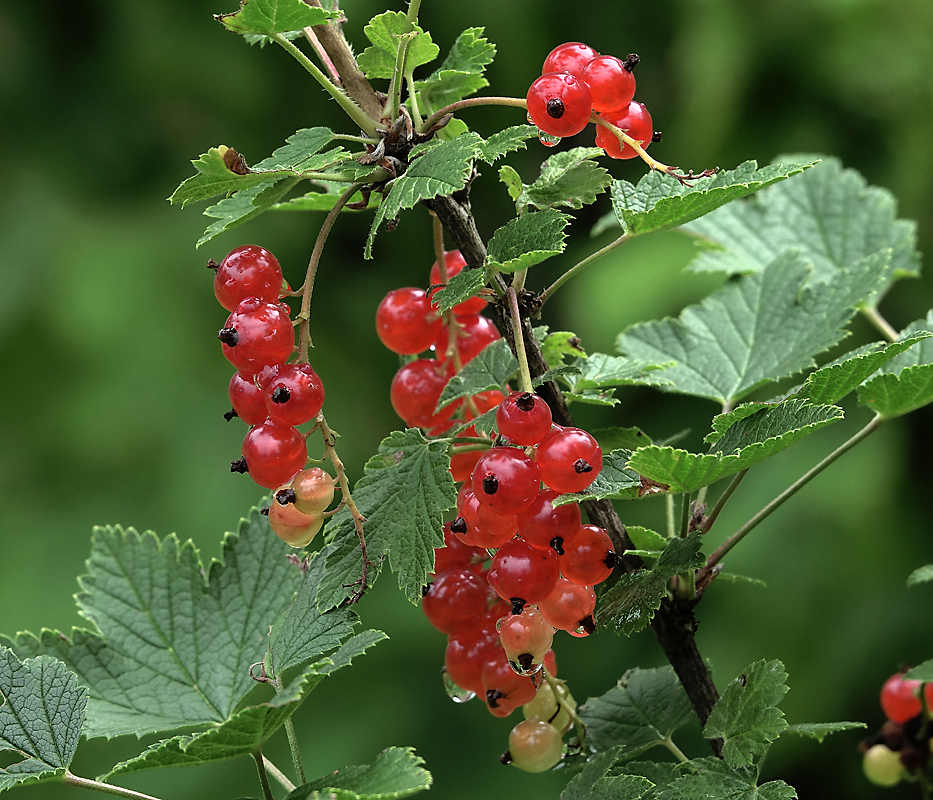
(547, 140)
(454, 692)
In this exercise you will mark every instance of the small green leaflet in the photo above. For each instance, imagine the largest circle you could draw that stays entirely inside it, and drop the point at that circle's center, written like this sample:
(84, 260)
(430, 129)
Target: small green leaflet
(41, 716)
(715, 778)
(646, 539)
(906, 382)
(641, 712)
(615, 481)
(396, 773)
(618, 438)
(759, 328)
(244, 205)
(462, 286)
(594, 782)
(600, 370)
(746, 717)
(403, 494)
(460, 74)
(923, 672)
(570, 179)
(660, 201)
(630, 603)
(558, 344)
(920, 575)
(268, 17)
(385, 32)
(820, 730)
(829, 214)
(749, 435)
(506, 141)
(441, 170)
(528, 240)
(490, 369)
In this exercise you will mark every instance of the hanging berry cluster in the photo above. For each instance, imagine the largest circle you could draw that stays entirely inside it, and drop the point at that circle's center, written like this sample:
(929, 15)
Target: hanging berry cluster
(577, 81)
(902, 748)
(271, 396)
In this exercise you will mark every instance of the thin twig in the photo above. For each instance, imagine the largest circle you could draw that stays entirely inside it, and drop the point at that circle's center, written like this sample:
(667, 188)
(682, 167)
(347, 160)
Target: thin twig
(524, 372)
(107, 788)
(280, 776)
(711, 517)
(263, 777)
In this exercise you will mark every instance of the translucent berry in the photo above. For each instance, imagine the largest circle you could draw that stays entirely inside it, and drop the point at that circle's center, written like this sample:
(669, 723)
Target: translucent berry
(546, 526)
(415, 390)
(569, 460)
(407, 322)
(524, 418)
(569, 57)
(552, 707)
(314, 490)
(534, 746)
(523, 575)
(588, 557)
(292, 526)
(247, 271)
(882, 766)
(455, 262)
(610, 81)
(559, 104)
(257, 334)
(274, 452)
(526, 639)
(479, 526)
(454, 599)
(635, 121)
(461, 464)
(247, 398)
(467, 653)
(900, 698)
(504, 690)
(506, 480)
(457, 555)
(473, 333)
(295, 395)
(569, 607)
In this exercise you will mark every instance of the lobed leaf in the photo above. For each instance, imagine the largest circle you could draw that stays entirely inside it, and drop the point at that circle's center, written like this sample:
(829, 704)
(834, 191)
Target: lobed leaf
(630, 603)
(660, 201)
(385, 31)
(490, 369)
(397, 772)
(920, 575)
(245, 204)
(41, 715)
(600, 370)
(760, 328)
(828, 214)
(528, 240)
(820, 730)
(569, 178)
(906, 382)
(715, 778)
(461, 73)
(558, 344)
(746, 717)
(268, 17)
(506, 141)
(462, 286)
(594, 781)
(403, 494)
(922, 672)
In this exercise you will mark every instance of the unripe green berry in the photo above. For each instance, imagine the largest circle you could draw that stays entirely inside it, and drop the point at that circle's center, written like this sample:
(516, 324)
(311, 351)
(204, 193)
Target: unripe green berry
(882, 766)
(535, 745)
(544, 705)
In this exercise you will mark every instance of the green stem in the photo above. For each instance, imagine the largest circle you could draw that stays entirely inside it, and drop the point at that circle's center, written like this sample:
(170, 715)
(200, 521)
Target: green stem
(685, 515)
(292, 739)
(678, 753)
(524, 371)
(280, 776)
(304, 331)
(546, 294)
(352, 109)
(515, 102)
(711, 517)
(263, 777)
(395, 85)
(624, 138)
(669, 508)
(791, 490)
(413, 8)
(875, 318)
(86, 783)
(413, 100)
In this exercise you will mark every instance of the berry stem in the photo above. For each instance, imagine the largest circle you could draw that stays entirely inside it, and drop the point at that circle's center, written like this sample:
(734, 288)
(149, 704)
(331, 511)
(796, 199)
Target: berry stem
(875, 318)
(578, 723)
(352, 109)
(710, 520)
(304, 330)
(515, 102)
(790, 491)
(292, 739)
(106, 788)
(263, 777)
(546, 294)
(279, 776)
(524, 371)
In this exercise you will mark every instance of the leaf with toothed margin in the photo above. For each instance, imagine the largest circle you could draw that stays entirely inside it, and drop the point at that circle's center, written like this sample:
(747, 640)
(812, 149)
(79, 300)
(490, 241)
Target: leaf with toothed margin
(568, 179)
(269, 17)
(396, 773)
(386, 32)
(528, 240)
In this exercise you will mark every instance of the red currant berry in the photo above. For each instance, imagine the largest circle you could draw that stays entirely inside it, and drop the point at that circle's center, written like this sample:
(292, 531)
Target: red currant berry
(407, 322)
(454, 599)
(559, 104)
(534, 746)
(462, 464)
(503, 689)
(257, 335)
(546, 526)
(524, 418)
(569, 57)
(292, 526)
(295, 395)
(474, 332)
(455, 262)
(506, 480)
(247, 399)
(569, 460)
(415, 390)
(484, 401)
(635, 121)
(552, 706)
(467, 653)
(570, 607)
(521, 574)
(274, 452)
(610, 81)
(480, 526)
(588, 556)
(526, 639)
(900, 698)
(314, 490)
(457, 555)
(247, 271)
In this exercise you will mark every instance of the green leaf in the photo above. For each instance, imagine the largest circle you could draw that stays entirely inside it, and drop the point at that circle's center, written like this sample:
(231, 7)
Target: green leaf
(403, 494)
(41, 715)
(600, 370)
(243, 733)
(274, 16)
(245, 204)
(631, 602)
(759, 328)
(619, 438)
(920, 575)
(756, 431)
(462, 286)
(396, 773)
(660, 201)
(506, 141)
(528, 240)
(461, 73)
(906, 382)
(594, 783)
(746, 717)
(715, 778)
(213, 179)
(512, 181)
(828, 214)
(490, 369)
(642, 711)
(615, 481)
(558, 344)
(645, 538)
(820, 730)
(174, 638)
(569, 178)
(325, 201)
(923, 672)
(441, 170)
(384, 31)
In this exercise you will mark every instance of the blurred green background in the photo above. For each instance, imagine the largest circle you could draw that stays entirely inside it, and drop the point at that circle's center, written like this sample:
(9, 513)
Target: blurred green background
(114, 385)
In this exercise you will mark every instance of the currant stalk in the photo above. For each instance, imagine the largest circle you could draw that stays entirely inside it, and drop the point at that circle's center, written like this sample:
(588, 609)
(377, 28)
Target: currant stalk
(524, 371)
(578, 724)
(106, 788)
(578, 267)
(263, 777)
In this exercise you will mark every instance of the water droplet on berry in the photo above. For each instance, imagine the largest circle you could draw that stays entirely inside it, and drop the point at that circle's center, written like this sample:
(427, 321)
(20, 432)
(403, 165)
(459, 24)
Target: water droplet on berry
(547, 140)
(455, 693)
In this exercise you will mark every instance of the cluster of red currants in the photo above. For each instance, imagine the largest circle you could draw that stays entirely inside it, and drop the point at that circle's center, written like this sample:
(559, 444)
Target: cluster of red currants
(576, 81)
(903, 745)
(408, 323)
(271, 396)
